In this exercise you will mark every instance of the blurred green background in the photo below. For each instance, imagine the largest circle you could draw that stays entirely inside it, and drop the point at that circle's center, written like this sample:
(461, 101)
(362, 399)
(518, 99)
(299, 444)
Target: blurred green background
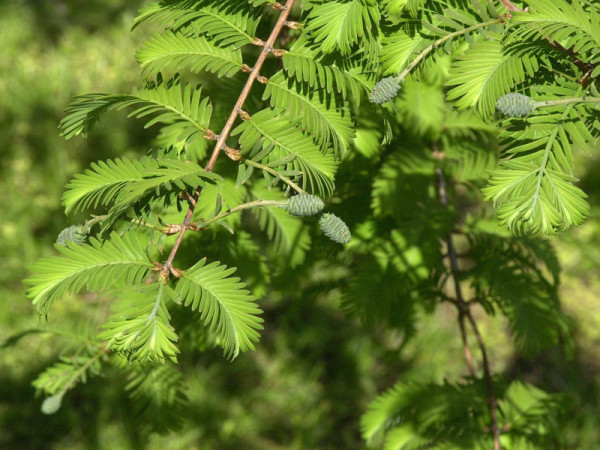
(314, 371)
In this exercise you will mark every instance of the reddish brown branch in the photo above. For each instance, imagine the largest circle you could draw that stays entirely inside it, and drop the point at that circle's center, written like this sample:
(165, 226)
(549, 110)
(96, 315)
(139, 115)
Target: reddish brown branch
(464, 311)
(246, 90)
(585, 67)
(167, 267)
(510, 6)
(488, 380)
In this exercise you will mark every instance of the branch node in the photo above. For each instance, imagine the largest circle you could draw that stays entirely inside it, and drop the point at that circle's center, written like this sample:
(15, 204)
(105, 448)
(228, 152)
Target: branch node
(258, 42)
(243, 114)
(232, 153)
(277, 6)
(293, 25)
(278, 52)
(172, 229)
(262, 80)
(246, 68)
(210, 135)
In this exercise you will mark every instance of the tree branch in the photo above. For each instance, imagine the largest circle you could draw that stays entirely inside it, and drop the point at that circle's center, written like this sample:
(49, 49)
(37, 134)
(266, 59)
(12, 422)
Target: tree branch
(168, 266)
(464, 311)
(587, 68)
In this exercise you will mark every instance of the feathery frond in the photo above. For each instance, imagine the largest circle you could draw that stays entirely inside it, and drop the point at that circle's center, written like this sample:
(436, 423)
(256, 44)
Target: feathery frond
(227, 307)
(340, 24)
(226, 22)
(123, 181)
(329, 122)
(140, 328)
(168, 101)
(171, 52)
(268, 137)
(95, 266)
(484, 74)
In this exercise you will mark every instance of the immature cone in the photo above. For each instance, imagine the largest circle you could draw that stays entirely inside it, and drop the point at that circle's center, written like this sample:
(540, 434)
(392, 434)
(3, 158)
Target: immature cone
(304, 205)
(334, 228)
(76, 234)
(514, 105)
(385, 90)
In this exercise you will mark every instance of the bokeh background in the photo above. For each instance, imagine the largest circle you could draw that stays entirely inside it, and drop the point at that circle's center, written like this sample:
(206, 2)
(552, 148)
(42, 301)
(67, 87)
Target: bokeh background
(315, 370)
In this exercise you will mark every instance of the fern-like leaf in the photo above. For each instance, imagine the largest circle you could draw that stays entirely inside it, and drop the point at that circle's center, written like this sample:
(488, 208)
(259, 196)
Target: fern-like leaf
(329, 122)
(565, 22)
(171, 105)
(140, 328)
(123, 181)
(484, 74)
(270, 137)
(227, 22)
(228, 308)
(340, 25)
(171, 52)
(96, 266)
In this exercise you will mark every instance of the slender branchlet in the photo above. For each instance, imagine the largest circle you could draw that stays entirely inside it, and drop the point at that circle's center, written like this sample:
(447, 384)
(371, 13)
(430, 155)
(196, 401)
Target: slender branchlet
(464, 312)
(224, 134)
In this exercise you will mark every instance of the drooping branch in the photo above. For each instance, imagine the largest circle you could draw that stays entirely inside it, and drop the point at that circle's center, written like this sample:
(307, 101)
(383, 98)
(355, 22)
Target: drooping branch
(224, 134)
(585, 67)
(464, 311)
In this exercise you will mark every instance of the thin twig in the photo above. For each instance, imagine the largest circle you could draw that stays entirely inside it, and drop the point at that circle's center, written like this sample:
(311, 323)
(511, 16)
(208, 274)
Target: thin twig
(168, 265)
(439, 42)
(566, 101)
(510, 6)
(276, 174)
(488, 380)
(587, 68)
(246, 90)
(465, 312)
(461, 306)
(205, 223)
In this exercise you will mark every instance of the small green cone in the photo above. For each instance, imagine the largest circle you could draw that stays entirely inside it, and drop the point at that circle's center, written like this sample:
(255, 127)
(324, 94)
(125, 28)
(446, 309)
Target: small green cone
(334, 228)
(514, 105)
(77, 234)
(304, 205)
(384, 91)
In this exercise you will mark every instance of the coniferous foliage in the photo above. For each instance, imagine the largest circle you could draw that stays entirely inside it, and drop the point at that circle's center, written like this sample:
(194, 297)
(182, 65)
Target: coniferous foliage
(392, 114)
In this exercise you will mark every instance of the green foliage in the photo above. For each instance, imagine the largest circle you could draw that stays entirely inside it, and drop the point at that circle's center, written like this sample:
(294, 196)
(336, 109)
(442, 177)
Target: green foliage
(96, 265)
(406, 170)
(227, 308)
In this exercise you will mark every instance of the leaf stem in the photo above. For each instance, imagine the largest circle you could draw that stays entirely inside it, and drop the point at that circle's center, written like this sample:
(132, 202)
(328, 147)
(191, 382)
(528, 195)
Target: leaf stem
(81, 370)
(566, 101)
(276, 174)
(439, 42)
(205, 223)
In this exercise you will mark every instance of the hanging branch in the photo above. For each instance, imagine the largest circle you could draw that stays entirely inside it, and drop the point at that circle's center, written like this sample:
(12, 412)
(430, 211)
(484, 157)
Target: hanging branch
(587, 68)
(464, 311)
(167, 267)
